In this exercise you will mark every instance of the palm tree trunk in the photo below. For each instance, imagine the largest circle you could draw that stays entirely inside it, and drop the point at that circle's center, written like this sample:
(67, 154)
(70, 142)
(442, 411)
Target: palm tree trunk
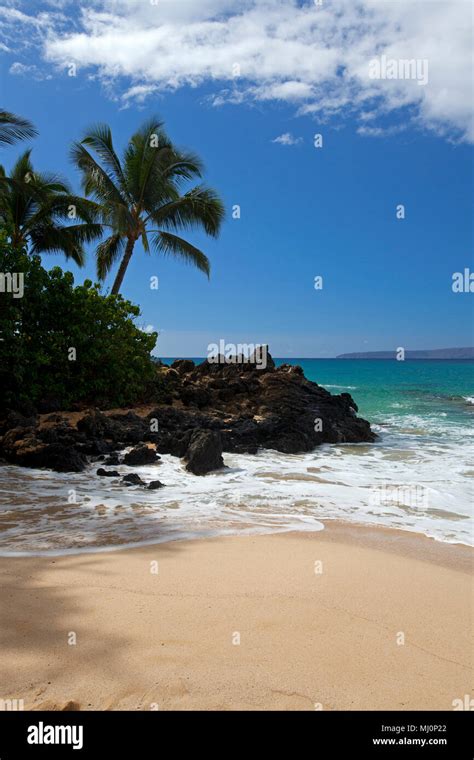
(123, 266)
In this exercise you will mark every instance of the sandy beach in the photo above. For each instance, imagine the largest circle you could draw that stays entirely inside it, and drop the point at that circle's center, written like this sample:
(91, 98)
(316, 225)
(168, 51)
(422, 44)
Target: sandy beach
(320, 617)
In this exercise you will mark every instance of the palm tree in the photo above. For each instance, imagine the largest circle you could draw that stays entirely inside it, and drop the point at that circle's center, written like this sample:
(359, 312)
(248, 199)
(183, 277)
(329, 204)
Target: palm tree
(14, 128)
(140, 197)
(36, 208)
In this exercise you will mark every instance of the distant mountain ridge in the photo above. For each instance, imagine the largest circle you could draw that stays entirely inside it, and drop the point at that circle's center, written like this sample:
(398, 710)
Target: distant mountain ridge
(435, 353)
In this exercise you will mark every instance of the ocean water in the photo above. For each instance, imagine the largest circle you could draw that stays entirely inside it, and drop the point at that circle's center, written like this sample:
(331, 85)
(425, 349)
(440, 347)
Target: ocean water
(418, 476)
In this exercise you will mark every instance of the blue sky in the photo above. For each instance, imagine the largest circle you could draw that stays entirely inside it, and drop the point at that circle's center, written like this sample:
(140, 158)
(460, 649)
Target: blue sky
(305, 212)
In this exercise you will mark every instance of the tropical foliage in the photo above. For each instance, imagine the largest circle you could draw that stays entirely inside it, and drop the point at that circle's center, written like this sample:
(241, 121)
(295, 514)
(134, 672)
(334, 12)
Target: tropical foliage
(39, 209)
(63, 344)
(14, 128)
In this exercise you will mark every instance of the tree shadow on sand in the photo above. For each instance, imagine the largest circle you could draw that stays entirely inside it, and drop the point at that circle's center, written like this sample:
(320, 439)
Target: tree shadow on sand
(63, 641)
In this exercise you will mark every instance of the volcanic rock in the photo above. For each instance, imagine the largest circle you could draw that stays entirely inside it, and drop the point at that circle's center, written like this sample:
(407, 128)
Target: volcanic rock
(132, 479)
(141, 455)
(154, 485)
(204, 452)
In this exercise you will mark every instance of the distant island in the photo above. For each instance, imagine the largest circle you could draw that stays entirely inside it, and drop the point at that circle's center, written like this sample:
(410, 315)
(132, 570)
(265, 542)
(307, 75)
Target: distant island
(435, 353)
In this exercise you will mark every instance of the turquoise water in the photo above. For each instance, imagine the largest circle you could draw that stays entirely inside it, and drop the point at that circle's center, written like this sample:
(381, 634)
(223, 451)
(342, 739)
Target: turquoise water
(440, 392)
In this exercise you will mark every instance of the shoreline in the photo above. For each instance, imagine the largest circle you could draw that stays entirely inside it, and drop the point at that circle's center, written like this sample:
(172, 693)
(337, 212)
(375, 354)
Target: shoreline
(334, 524)
(309, 635)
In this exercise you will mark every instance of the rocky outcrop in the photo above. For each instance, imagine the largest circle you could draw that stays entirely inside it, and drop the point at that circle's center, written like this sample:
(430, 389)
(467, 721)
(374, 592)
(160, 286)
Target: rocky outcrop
(182, 366)
(206, 410)
(112, 460)
(275, 408)
(154, 485)
(126, 429)
(24, 447)
(204, 452)
(132, 479)
(107, 473)
(141, 455)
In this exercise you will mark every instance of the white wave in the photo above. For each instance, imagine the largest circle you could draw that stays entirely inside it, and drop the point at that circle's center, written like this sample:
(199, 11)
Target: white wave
(469, 399)
(395, 482)
(341, 387)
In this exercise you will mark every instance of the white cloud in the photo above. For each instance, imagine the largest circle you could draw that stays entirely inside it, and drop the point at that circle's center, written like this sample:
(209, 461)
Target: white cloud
(28, 70)
(380, 131)
(315, 57)
(148, 329)
(138, 93)
(12, 15)
(288, 139)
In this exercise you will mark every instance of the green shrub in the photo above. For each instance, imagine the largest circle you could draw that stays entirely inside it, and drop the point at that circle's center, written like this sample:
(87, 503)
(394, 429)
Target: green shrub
(54, 321)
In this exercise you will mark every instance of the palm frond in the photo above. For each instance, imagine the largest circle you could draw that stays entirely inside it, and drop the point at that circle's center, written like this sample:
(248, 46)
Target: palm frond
(96, 181)
(14, 128)
(172, 245)
(185, 167)
(200, 207)
(146, 149)
(107, 253)
(99, 138)
(66, 240)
